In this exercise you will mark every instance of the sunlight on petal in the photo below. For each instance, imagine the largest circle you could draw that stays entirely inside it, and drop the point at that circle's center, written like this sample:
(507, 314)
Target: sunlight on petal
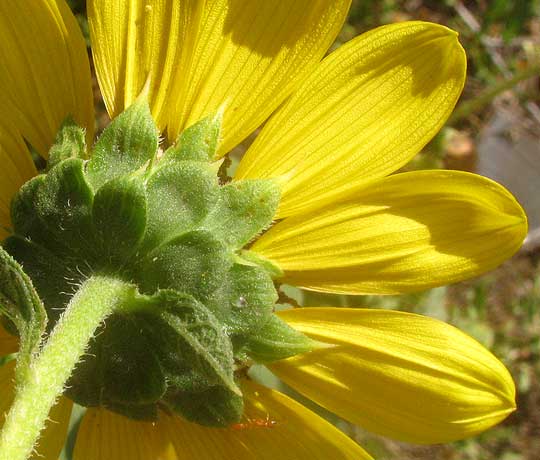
(105, 435)
(248, 57)
(275, 427)
(243, 56)
(134, 40)
(45, 70)
(402, 375)
(366, 111)
(17, 168)
(407, 232)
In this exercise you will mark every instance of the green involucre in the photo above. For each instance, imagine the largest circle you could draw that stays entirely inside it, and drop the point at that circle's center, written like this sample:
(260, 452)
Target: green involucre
(162, 224)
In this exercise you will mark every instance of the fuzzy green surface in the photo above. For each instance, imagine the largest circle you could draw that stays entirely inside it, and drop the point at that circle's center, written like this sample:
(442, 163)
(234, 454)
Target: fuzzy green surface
(162, 226)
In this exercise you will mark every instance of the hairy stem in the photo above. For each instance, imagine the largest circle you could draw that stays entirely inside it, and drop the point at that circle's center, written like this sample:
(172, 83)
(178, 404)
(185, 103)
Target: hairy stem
(44, 382)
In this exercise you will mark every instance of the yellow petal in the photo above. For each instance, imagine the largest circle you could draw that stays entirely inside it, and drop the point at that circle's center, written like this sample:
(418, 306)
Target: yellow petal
(8, 343)
(249, 56)
(53, 438)
(274, 427)
(406, 232)
(16, 167)
(133, 40)
(104, 435)
(245, 54)
(365, 112)
(45, 71)
(398, 374)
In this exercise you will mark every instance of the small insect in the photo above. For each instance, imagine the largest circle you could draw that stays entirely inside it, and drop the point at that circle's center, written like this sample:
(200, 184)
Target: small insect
(251, 423)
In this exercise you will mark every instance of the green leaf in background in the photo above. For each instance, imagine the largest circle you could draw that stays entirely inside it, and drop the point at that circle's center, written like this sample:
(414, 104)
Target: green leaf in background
(512, 13)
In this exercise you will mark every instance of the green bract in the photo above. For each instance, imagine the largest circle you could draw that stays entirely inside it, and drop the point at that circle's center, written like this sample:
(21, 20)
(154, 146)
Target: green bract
(197, 308)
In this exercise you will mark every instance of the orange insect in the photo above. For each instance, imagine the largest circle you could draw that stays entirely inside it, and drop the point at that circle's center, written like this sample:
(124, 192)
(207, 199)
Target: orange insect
(255, 423)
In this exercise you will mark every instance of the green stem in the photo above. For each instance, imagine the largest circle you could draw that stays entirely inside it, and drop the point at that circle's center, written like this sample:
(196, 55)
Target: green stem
(476, 104)
(44, 382)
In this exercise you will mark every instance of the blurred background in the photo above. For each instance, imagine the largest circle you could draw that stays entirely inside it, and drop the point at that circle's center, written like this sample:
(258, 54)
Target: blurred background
(495, 131)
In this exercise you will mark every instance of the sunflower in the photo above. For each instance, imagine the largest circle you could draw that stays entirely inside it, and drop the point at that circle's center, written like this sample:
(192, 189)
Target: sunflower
(313, 203)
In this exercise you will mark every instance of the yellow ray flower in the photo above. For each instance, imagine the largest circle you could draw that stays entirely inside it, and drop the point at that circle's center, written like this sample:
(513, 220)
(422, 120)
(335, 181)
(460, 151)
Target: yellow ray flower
(45, 70)
(340, 126)
(201, 54)
(402, 375)
(364, 112)
(402, 233)
(257, 437)
(17, 168)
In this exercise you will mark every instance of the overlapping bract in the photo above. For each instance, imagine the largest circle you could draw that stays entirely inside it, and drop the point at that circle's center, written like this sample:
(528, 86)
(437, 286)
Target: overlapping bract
(154, 225)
